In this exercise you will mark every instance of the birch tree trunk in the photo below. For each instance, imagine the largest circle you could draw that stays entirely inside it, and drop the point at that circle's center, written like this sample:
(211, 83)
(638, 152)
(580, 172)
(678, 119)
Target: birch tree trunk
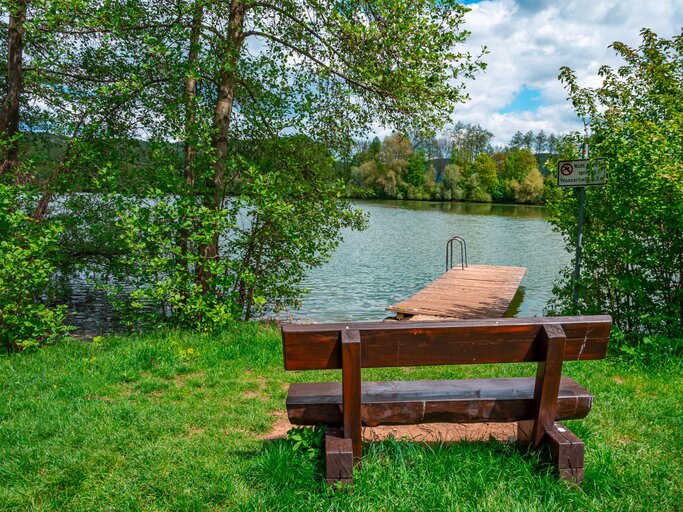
(227, 82)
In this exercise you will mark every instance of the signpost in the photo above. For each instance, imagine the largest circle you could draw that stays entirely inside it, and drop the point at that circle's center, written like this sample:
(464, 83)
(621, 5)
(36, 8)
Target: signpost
(581, 173)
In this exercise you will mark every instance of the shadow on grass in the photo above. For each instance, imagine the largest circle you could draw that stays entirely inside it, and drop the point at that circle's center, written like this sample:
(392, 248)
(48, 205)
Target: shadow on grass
(404, 475)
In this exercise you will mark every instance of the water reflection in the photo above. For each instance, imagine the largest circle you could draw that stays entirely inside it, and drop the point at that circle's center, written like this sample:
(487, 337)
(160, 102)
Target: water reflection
(503, 210)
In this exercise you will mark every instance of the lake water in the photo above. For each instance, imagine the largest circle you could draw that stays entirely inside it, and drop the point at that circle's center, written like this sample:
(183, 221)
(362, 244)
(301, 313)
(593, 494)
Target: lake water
(403, 250)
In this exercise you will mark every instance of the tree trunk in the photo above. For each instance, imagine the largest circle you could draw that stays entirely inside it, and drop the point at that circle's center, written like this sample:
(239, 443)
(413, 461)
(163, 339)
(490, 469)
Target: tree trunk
(191, 94)
(227, 82)
(190, 117)
(9, 109)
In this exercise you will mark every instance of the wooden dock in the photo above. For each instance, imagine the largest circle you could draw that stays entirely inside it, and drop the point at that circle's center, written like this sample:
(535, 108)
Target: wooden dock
(477, 291)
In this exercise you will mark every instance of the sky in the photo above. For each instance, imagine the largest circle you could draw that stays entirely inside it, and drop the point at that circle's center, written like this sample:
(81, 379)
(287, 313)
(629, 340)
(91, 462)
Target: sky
(528, 42)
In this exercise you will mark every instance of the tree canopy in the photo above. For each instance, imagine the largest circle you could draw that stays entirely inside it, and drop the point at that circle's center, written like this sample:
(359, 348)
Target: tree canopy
(207, 130)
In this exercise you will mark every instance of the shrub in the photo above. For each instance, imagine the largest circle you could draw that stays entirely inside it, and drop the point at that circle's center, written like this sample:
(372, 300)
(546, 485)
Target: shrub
(27, 252)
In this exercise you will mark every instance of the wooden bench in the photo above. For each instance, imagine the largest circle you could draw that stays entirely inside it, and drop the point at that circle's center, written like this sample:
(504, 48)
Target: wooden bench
(536, 403)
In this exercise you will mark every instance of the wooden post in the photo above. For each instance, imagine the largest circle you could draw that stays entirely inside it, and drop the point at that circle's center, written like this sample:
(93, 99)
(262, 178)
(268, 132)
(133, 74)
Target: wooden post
(351, 389)
(566, 453)
(548, 374)
(338, 458)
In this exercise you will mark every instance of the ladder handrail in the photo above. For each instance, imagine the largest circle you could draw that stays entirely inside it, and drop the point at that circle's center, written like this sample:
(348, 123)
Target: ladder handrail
(449, 252)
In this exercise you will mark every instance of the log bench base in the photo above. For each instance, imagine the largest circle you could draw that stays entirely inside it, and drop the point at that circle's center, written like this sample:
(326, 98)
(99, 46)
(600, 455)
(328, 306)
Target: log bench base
(338, 458)
(433, 401)
(565, 449)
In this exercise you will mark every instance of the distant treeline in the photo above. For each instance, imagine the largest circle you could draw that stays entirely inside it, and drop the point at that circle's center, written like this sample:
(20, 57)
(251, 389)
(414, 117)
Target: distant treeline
(462, 166)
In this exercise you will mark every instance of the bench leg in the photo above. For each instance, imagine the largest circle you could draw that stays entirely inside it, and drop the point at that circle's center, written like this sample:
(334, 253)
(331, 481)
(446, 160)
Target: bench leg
(566, 450)
(566, 453)
(338, 458)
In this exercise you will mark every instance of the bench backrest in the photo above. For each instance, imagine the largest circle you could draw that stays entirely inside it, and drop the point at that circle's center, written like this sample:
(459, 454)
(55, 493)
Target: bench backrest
(393, 344)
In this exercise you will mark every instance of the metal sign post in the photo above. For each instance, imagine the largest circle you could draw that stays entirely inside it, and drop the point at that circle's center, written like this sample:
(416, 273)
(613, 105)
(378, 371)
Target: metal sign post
(579, 233)
(581, 174)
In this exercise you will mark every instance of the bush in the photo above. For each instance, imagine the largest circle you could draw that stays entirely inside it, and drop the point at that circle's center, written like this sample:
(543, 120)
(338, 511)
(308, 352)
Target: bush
(632, 264)
(27, 252)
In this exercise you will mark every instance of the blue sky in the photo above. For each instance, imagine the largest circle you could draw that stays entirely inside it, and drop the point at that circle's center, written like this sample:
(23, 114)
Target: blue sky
(528, 42)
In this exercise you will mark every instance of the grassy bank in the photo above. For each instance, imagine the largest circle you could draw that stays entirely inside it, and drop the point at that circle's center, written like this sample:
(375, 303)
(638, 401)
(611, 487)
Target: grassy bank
(175, 421)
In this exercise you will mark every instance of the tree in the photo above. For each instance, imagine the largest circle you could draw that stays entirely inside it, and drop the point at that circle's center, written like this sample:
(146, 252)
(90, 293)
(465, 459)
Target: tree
(517, 140)
(528, 140)
(417, 167)
(9, 107)
(218, 89)
(518, 164)
(27, 250)
(484, 166)
(530, 189)
(632, 264)
(540, 142)
(451, 184)
(468, 141)
(552, 143)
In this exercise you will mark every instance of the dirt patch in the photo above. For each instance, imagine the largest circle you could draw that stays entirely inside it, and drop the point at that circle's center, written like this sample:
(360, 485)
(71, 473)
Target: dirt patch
(426, 433)
(280, 428)
(619, 380)
(181, 379)
(262, 382)
(444, 432)
(195, 431)
(252, 394)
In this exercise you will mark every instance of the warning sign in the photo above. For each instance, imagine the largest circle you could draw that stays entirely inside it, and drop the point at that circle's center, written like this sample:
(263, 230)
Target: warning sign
(581, 173)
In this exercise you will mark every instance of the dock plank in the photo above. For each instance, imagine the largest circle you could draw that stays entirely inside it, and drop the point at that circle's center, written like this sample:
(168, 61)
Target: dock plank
(477, 291)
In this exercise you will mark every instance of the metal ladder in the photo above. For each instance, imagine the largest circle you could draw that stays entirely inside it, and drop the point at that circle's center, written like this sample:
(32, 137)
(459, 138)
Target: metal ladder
(449, 252)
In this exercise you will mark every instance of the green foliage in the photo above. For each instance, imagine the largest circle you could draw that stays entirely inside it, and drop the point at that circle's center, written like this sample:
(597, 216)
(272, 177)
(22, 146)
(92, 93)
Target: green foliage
(160, 262)
(283, 220)
(27, 252)
(293, 215)
(308, 440)
(396, 170)
(521, 180)
(650, 353)
(417, 168)
(485, 168)
(451, 183)
(518, 164)
(467, 142)
(633, 234)
(239, 208)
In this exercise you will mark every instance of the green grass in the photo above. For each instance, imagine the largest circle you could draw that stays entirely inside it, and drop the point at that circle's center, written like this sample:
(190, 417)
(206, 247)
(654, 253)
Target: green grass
(173, 421)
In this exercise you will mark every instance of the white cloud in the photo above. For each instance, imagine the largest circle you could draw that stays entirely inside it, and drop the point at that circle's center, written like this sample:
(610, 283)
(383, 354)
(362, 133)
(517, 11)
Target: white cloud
(529, 40)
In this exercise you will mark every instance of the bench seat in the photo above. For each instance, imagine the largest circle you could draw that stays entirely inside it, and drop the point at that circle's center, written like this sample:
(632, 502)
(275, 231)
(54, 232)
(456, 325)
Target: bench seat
(433, 401)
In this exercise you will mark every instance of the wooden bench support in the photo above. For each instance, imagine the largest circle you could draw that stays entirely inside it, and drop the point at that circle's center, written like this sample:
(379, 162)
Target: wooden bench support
(351, 385)
(338, 458)
(548, 375)
(566, 453)
(566, 450)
